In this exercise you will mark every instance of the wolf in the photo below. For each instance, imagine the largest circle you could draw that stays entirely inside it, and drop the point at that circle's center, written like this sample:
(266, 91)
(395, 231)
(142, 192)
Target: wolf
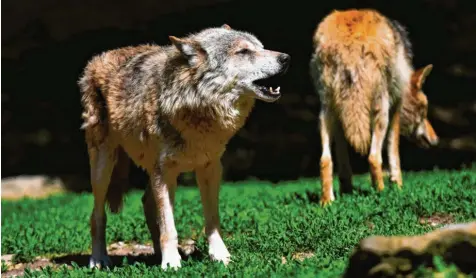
(362, 70)
(171, 109)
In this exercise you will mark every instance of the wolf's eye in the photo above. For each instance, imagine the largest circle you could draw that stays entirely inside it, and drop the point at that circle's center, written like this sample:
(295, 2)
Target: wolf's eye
(243, 51)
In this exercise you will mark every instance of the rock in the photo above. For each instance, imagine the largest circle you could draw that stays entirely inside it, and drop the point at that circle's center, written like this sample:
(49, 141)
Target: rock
(380, 256)
(7, 259)
(30, 186)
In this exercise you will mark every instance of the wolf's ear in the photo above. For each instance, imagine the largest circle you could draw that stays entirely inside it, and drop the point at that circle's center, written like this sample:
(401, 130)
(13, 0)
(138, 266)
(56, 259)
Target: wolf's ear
(187, 47)
(226, 26)
(190, 49)
(420, 75)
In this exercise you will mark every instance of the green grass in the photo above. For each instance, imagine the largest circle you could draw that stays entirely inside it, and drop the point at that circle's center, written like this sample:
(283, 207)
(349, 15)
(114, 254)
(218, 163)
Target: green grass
(261, 224)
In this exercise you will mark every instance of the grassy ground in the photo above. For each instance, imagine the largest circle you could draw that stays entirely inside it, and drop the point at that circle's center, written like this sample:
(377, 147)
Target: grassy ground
(263, 225)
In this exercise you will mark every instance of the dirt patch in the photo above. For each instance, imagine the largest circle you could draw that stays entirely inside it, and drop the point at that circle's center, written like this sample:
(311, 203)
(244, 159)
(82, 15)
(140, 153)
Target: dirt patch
(19, 269)
(122, 249)
(437, 219)
(118, 253)
(369, 224)
(299, 256)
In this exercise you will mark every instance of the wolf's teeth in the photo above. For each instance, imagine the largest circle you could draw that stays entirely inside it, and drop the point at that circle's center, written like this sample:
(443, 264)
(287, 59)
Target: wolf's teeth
(271, 89)
(277, 89)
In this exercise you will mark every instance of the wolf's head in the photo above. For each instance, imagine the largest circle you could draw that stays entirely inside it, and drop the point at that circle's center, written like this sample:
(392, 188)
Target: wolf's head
(235, 60)
(414, 122)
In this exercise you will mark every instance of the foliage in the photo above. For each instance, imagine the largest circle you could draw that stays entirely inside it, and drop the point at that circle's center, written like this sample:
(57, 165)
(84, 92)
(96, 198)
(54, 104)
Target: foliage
(261, 224)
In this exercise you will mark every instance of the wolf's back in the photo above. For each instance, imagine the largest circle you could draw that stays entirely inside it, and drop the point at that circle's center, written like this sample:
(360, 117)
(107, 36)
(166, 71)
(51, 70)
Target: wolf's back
(96, 76)
(353, 50)
(349, 90)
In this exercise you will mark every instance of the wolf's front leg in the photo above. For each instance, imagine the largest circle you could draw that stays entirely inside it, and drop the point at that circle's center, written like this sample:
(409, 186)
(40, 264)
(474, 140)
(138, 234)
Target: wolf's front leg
(163, 185)
(393, 150)
(208, 179)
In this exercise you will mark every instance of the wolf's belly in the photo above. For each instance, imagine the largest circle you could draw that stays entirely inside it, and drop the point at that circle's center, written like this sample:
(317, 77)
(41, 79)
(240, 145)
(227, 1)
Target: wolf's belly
(146, 153)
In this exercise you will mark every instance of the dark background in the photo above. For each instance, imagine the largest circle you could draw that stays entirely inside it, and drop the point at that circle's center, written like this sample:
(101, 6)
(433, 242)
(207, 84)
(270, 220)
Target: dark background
(46, 44)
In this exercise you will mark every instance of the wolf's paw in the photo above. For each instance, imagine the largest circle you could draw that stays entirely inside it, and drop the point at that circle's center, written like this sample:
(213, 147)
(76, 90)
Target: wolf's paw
(398, 181)
(325, 202)
(171, 258)
(220, 253)
(100, 262)
(327, 199)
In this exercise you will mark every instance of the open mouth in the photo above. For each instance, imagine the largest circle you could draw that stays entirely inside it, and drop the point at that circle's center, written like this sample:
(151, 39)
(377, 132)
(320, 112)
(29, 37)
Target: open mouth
(268, 92)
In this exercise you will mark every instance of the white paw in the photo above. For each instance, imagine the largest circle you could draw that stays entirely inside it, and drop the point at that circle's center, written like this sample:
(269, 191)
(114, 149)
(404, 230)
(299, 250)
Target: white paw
(99, 261)
(171, 258)
(218, 252)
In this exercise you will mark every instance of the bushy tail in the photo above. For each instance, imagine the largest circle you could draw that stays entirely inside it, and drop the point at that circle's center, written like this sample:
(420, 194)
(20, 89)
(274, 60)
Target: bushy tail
(91, 99)
(94, 106)
(354, 115)
(119, 184)
(354, 103)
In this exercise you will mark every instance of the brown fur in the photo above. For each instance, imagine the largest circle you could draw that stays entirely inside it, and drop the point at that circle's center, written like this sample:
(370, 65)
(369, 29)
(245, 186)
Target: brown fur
(170, 109)
(353, 49)
(415, 108)
(204, 130)
(361, 68)
(96, 80)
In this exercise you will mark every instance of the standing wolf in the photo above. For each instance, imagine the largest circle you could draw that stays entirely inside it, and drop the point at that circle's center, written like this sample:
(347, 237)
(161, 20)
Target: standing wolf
(362, 70)
(170, 109)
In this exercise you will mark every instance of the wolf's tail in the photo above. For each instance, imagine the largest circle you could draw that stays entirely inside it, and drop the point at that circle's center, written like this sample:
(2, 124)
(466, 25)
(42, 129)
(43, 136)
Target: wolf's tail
(92, 99)
(353, 102)
(119, 184)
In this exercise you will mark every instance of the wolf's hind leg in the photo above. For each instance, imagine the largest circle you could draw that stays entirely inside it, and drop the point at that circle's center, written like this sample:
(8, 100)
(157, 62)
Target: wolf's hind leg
(101, 159)
(380, 126)
(326, 130)
(119, 181)
(150, 212)
(343, 163)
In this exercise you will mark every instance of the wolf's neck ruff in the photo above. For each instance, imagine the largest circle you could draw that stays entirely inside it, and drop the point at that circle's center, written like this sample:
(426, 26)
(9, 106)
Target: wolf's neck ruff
(212, 96)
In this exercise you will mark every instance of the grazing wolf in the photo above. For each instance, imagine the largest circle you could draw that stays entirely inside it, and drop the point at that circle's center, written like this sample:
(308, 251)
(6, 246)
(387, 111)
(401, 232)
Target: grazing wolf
(362, 71)
(171, 109)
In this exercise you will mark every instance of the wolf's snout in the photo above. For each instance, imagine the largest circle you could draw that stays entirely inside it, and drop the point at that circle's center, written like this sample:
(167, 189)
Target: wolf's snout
(284, 59)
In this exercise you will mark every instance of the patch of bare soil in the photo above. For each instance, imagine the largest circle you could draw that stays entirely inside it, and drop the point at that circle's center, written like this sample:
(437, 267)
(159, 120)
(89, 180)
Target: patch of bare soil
(118, 252)
(299, 256)
(437, 219)
(19, 269)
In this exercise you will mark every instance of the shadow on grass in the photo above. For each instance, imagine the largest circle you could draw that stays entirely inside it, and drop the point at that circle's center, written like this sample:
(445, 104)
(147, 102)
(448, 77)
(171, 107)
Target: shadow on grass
(314, 197)
(361, 191)
(82, 260)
